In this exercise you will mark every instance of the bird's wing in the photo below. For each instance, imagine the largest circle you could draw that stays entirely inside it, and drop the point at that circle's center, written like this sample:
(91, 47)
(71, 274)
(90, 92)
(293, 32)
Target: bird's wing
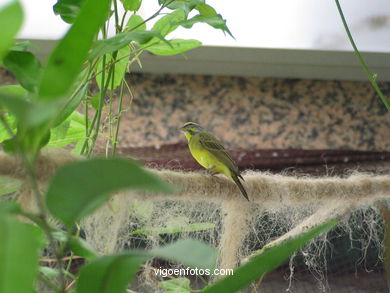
(214, 146)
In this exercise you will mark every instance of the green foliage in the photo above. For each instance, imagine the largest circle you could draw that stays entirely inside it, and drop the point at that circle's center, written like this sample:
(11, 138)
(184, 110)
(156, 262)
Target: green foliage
(131, 5)
(42, 111)
(111, 274)
(121, 40)
(26, 67)
(66, 61)
(70, 131)
(68, 9)
(82, 248)
(19, 249)
(215, 21)
(11, 18)
(119, 69)
(79, 188)
(136, 23)
(177, 285)
(269, 258)
(8, 185)
(176, 46)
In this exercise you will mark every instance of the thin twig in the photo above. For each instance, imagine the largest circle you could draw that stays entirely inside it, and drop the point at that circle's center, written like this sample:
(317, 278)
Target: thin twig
(370, 76)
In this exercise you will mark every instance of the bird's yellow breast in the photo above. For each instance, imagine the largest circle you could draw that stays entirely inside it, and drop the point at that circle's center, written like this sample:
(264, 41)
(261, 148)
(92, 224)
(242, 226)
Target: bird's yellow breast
(205, 158)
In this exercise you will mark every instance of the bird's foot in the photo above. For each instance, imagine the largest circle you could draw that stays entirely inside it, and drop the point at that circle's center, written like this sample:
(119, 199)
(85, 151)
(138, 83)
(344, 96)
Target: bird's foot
(211, 171)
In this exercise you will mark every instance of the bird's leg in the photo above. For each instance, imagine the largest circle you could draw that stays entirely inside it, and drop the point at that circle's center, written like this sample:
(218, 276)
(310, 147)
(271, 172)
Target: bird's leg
(211, 171)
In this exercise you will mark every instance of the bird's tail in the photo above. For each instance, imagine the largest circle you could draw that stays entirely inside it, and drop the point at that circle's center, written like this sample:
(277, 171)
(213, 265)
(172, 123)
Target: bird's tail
(239, 184)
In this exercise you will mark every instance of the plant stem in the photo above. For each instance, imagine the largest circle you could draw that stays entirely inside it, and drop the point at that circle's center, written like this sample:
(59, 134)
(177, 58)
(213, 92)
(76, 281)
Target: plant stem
(29, 165)
(370, 76)
(118, 121)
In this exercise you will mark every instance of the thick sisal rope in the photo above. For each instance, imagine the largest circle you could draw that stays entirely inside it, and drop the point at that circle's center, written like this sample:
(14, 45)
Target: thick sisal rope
(337, 195)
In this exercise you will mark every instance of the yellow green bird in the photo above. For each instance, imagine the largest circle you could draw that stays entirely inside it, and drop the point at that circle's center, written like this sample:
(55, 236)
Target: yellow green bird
(208, 151)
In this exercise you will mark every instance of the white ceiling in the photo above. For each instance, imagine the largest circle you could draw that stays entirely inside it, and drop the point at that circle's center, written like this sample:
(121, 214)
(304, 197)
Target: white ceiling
(298, 24)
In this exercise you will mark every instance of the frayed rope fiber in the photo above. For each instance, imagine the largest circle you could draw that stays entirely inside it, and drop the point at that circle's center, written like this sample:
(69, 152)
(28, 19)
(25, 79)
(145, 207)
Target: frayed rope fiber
(308, 201)
(265, 188)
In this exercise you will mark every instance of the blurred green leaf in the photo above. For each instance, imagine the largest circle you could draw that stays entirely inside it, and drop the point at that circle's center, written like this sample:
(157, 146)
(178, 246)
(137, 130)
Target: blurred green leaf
(15, 91)
(186, 5)
(95, 100)
(79, 188)
(112, 274)
(131, 5)
(27, 113)
(4, 134)
(188, 252)
(68, 9)
(172, 228)
(121, 40)
(269, 258)
(122, 59)
(205, 10)
(20, 244)
(24, 46)
(8, 207)
(70, 131)
(168, 23)
(177, 46)
(68, 106)
(136, 23)
(49, 273)
(177, 285)
(68, 57)
(8, 185)
(26, 68)
(82, 248)
(11, 18)
(215, 21)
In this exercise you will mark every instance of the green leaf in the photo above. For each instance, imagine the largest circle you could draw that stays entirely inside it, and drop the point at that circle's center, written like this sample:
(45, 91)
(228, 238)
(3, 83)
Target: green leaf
(69, 106)
(177, 285)
(95, 100)
(136, 23)
(11, 18)
(215, 21)
(79, 188)
(186, 5)
(15, 91)
(82, 248)
(28, 114)
(26, 68)
(122, 58)
(68, 9)
(172, 229)
(4, 134)
(177, 46)
(49, 273)
(168, 23)
(20, 244)
(270, 258)
(8, 185)
(9, 207)
(24, 46)
(205, 10)
(66, 61)
(190, 253)
(70, 131)
(112, 274)
(121, 40)
(131, 5)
